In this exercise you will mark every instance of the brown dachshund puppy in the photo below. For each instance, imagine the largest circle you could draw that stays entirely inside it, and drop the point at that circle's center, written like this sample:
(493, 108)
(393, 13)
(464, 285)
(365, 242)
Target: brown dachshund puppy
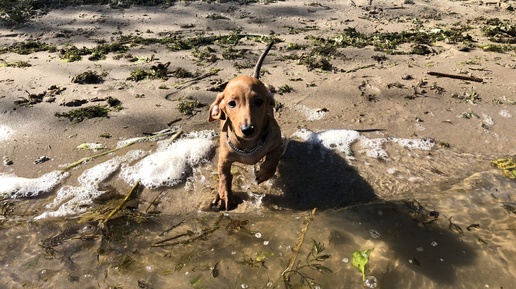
(248, 131)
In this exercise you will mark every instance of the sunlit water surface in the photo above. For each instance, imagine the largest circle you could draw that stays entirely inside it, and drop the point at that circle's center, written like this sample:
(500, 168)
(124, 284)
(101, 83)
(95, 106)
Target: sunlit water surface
(433, 219)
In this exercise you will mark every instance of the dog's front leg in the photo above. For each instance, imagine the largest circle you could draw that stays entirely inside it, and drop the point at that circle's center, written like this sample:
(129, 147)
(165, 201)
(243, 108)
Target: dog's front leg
(268, 167)
(224, 196)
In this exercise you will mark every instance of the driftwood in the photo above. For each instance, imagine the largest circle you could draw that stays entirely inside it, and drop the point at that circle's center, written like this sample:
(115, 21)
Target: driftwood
(455, 76)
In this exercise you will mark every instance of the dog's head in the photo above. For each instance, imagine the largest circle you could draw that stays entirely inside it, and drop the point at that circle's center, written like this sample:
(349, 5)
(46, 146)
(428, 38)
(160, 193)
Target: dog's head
(245, 103)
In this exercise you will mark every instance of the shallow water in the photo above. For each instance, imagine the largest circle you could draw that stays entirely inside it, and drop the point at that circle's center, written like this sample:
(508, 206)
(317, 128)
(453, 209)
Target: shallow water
(432, 218)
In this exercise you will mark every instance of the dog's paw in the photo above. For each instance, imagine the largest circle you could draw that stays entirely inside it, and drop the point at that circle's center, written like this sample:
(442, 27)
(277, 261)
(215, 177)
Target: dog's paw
(263, 175)
(223, 203)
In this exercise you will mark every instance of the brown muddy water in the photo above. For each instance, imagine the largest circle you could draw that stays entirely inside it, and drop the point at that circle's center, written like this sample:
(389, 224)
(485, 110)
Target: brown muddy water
(432, 218)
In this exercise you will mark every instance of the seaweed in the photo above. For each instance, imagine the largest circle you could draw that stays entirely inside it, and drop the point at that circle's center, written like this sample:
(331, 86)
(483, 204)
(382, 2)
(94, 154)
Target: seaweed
(312, 261)
(189, 105)
(182, 73)
(158, 71)
(285, 89)
(27, 47)
(507, 166)
(389, 41)
(231, 53)
(468, 97)
(360, 260)
(20, 11)
(500, 31)
(205, 54)
(16, 64)
(88, 77)
(80, 114)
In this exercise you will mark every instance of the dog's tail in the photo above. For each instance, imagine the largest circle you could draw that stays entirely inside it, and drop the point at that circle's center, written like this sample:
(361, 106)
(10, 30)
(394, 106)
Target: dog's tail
(260, 61)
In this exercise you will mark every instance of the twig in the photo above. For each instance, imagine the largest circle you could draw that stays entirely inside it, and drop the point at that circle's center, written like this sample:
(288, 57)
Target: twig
(360, 67)
(86, 159)
(204, 233)
(153, 201)
(295, 251)
(455, 76)
(134, 188)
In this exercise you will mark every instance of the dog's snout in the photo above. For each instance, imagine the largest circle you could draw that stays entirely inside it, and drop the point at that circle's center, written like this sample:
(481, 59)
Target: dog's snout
(247, 130)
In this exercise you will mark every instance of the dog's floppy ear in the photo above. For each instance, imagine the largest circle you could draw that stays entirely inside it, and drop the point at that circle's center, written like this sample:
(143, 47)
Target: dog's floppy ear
(270, 96)
(217, 108)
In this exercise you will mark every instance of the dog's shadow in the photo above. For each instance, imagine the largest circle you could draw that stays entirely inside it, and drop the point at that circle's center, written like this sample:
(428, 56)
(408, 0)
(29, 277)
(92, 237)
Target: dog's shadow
(317, 177)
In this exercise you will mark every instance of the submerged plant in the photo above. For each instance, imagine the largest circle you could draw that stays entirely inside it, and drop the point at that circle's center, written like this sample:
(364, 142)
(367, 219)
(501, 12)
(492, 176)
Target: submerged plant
(360, 260)
(313, 261)
(507, 165)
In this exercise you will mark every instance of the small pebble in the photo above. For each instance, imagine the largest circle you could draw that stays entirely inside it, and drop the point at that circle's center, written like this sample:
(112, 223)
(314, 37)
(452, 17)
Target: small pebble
(41, 159)
(7, 161)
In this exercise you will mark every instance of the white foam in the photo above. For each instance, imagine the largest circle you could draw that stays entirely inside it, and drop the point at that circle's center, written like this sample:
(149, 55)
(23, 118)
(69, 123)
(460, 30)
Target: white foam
(165, 167)
(18, 187)
(5, 132)
(342, 139)
(71, 200)
(505, 113)
(339, 139)
(424, 144)
(486, 119)
(170, 164)
(311, 114)
(373, 148)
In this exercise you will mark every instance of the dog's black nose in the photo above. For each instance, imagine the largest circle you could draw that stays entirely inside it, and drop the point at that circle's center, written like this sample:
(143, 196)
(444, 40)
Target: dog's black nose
(247, 130)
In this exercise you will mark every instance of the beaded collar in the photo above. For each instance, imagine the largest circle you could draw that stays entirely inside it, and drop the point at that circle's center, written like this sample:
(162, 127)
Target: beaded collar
(247, 152)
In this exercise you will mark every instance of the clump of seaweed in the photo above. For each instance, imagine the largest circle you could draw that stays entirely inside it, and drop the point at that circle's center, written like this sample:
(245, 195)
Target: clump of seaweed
(315, 62)
(205, 54)
(285, 89)
(189, 105)
(159, 71)
(507, 165)
(80, 114)
(389, 41)
(88, 77)
(468, 97)
(469, 114)
(15, 64)
(182, 73)
(500, 31)
(231, 53)
(71, 53)
(27, 47)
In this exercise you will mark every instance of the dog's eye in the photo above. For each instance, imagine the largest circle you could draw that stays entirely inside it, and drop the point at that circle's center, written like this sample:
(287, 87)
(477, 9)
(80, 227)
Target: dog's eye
(258, 102)
(232, 104)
